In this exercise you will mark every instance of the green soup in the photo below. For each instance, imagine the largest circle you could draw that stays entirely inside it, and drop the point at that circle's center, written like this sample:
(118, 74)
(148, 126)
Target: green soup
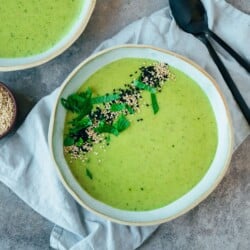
(159, 157)
(29, 27)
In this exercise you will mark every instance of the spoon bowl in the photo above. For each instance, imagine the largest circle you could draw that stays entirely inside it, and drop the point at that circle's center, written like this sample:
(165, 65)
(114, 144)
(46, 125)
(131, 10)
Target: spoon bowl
(191, 16)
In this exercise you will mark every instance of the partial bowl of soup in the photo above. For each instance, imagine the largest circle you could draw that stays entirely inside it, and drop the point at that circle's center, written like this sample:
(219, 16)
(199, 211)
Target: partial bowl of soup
(34, 32)
(140, 135)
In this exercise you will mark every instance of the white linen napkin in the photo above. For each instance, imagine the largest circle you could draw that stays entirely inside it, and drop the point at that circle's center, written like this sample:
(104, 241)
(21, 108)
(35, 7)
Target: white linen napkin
(25, 163)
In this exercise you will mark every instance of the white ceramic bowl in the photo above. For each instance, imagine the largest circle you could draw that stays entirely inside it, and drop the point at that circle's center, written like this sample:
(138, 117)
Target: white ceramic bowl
(206, 185)
(10, 64)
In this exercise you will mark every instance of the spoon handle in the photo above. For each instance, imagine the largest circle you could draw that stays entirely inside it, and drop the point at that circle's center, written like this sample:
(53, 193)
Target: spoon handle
(228, 79)
(231, 51)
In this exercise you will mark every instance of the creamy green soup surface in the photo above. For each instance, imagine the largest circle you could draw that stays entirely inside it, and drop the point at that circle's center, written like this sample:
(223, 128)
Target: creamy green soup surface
(29, 27)
(159, 157)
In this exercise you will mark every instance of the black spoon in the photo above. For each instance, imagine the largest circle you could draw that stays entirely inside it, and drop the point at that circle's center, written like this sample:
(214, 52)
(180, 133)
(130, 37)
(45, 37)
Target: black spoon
(191, 16)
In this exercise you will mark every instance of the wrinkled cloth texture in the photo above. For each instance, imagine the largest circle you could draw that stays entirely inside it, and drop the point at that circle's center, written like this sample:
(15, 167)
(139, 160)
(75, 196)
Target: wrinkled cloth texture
(30, 173)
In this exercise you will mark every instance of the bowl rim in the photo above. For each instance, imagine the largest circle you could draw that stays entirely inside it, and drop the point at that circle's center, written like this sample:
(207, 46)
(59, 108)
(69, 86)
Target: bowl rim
(57, 52)
(197, 201)
(13, 121)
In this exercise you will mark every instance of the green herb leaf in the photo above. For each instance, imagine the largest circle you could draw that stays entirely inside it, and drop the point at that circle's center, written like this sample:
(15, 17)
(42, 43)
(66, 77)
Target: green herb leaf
(114, 131)
(154, 102)
(105, 98)
(87, 93)
(130, 110)
(103, 127)
(117, 107)
(78, 102)
(80, 142)
(122, 123)
(121, 106)
(81, 122)
(89, 174)
(141, 85)
(68, 141)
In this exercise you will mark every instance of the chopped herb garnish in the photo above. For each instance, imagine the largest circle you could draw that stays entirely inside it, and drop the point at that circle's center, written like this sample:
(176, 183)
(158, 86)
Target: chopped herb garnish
(118, 107)
(68, 141)
(78, 102)
(96, 118)
(84, 122)
(106, 128)
(130, 110)
(105, 98)
(141, 85)
(89, 174)
(114, 131)
(122, 123)
(80, 142)
(155, 105)
(78, 125)
(87, 93)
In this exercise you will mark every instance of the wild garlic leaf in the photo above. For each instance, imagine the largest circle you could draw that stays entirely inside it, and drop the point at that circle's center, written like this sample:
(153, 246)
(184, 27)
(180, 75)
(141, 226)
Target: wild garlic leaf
(154, 102)
(141, 85)
(68, 141)
(105, 98)
(122, 123)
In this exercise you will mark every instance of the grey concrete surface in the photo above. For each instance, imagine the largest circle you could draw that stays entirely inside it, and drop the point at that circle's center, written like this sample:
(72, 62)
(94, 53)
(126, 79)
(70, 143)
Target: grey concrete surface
(222, 221)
